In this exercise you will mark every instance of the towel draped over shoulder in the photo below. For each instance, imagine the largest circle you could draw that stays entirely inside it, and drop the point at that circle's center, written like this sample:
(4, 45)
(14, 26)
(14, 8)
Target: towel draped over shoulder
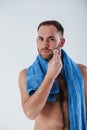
(75, 85)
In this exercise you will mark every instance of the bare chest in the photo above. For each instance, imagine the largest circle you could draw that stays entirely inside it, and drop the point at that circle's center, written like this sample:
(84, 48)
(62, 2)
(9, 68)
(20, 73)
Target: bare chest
(55, 114)
(63, 94)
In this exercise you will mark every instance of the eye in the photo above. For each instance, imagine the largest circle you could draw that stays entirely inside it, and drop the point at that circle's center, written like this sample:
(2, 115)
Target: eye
(40, 38)
(51, 38)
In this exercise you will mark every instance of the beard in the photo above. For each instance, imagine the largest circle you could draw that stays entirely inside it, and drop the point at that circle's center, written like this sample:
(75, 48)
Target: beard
(44, 55)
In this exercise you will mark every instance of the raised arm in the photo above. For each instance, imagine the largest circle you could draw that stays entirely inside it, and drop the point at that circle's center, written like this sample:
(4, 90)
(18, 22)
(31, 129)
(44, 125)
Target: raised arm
(32, 105)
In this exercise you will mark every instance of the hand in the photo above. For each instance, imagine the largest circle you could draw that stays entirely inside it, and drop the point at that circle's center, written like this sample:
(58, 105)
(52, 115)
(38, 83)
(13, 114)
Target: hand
(54, 65)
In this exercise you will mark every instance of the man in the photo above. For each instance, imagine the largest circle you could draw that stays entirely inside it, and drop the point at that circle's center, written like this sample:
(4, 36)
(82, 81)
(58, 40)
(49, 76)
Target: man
(54, 87)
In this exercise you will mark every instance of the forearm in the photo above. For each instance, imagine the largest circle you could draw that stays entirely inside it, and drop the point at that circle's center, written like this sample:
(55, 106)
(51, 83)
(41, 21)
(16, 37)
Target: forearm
(36, 102)
(33, 105)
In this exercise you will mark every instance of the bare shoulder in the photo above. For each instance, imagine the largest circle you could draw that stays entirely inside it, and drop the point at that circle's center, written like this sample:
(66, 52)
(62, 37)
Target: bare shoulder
(22, 85)
(83, 69)
(23, 72)
(22, 77)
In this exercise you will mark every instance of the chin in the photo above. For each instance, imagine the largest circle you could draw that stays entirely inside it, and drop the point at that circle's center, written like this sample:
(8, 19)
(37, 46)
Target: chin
(47, 57)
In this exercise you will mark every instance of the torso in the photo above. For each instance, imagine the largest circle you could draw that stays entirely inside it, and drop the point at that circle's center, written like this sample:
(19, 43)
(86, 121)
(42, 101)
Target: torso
(54, 115)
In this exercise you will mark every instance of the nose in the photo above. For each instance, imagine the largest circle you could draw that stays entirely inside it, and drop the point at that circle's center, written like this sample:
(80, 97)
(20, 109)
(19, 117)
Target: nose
(46, 43)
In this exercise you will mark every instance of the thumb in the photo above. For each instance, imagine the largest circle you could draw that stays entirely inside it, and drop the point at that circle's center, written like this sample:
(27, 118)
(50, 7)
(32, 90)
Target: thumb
(55, 54)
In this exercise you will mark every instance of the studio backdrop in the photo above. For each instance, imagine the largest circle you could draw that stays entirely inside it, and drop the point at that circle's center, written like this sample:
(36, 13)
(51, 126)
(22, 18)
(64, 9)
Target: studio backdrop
(18, 31)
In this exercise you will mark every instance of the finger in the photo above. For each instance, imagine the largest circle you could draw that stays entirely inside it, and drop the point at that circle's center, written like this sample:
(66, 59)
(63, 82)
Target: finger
(56, 54)
(55, 51)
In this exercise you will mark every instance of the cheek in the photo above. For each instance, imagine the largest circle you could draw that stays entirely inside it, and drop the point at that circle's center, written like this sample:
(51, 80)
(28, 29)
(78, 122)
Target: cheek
(39, 46)
(55, 46)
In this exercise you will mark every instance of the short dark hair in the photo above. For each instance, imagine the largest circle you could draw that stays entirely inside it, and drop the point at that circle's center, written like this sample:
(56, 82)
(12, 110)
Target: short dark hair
(52, 22)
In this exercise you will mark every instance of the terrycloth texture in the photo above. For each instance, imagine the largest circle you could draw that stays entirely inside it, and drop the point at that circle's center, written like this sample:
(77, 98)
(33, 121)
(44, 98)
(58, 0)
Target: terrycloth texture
(75, 84)
(35, 76)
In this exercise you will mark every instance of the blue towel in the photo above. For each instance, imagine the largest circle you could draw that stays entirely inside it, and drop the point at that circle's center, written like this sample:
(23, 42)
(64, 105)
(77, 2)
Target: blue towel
(75, 85)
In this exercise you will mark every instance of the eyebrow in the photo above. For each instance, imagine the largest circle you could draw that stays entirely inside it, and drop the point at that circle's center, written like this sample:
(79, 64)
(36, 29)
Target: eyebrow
(47, 37)
(40, 37)
(51, 37)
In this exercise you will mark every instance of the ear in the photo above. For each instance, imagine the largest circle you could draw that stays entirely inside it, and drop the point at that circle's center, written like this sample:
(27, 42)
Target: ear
(62, 42)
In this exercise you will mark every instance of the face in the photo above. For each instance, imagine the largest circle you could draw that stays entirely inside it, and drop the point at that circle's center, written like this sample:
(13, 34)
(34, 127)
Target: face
(48, 40)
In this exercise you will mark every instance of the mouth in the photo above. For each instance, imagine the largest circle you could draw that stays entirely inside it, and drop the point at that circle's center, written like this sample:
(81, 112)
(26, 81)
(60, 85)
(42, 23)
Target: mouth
(46, 54)
(46, 51)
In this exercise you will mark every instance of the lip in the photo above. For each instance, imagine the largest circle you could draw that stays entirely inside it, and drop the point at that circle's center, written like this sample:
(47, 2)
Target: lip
(45, 51)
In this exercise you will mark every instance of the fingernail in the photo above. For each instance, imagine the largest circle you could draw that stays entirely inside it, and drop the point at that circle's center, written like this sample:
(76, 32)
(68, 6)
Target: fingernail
(55, 51)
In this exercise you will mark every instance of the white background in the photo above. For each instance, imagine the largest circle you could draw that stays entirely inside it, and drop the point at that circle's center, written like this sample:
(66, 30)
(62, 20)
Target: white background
(18, 31)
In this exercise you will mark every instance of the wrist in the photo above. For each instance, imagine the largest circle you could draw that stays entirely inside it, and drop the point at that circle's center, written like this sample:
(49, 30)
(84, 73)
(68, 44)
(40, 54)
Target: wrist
(50, 77)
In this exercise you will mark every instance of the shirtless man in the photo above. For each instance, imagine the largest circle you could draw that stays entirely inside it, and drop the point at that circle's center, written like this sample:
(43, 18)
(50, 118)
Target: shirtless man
(49, 115)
